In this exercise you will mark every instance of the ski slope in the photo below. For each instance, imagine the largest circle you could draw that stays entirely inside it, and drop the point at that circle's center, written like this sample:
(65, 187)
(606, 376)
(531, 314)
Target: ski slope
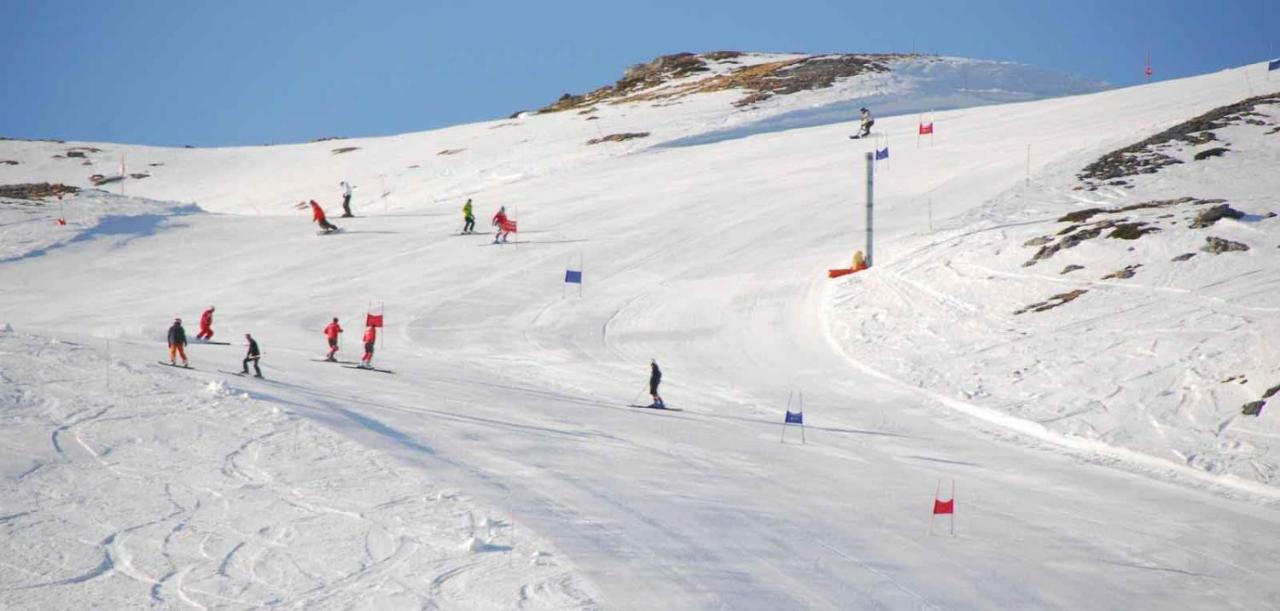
(502, 459)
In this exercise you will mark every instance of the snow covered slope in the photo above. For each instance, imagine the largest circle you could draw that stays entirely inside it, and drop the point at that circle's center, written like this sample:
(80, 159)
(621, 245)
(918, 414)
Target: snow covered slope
(710, 259)
(421, 170)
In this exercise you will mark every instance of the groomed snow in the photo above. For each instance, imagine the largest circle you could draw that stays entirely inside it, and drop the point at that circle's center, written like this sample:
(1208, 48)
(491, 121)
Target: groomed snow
(514, 392)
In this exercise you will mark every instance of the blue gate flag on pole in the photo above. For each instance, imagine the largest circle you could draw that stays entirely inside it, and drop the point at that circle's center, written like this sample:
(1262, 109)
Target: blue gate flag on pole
(882, 153)
(795, 418)
(572, 276)
(1273, 65)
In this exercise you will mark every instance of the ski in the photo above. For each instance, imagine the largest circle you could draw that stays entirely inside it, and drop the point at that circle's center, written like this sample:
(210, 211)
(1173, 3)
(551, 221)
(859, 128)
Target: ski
(369, 369)
(241, 374)
(663, 408)
(205, 341)
(175, 366)
(333, 361)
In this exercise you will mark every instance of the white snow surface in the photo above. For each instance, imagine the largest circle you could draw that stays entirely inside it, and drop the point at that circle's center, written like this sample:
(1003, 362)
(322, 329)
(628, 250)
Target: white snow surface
(1098, 458)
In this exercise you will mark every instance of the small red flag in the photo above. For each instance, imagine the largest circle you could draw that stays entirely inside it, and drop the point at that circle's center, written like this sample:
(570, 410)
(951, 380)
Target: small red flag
(372, 320)
(509, 226)
(926, 128)
(944, 507)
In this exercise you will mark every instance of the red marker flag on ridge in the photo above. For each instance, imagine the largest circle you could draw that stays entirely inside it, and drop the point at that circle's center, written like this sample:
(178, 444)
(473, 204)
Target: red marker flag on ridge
(926, 128)
(373, 320)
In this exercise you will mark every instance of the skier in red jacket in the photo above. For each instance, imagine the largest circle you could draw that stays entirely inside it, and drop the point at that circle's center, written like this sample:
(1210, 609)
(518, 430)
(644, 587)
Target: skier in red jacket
(370, 337)
(504, 225)
(331, 333)
(317, 215)
(206, 325)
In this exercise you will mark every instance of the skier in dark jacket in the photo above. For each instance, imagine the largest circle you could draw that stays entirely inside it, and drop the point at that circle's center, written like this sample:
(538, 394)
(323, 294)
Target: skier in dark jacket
(253, 355)
(177, 343)
(655, 378)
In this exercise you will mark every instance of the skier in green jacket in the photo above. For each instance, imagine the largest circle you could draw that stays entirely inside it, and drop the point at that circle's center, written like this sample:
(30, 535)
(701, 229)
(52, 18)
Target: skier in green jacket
(469, 219)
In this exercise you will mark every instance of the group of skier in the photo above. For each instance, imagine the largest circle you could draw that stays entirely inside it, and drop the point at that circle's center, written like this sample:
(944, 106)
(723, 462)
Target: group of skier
(333, 330)
(504, 227)
(178, 343)
(177, 339)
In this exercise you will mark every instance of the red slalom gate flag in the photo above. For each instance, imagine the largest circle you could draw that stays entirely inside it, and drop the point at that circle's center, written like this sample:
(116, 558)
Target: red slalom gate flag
(944, 507)
(373, 320)
(509, 226)
(926, 128)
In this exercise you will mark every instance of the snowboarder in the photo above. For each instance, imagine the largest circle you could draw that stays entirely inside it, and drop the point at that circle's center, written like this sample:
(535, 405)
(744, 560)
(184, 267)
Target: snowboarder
(177, 343)
(331, 333)
(867, 122)
(346, 199)
(468, 219)
(503, 224)
(655, 378)
(253, 355)
(206, 325)
(370, 337)
(317, 215)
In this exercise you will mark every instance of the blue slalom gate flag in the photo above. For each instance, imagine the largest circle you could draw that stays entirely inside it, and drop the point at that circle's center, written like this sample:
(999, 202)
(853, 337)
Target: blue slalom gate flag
(572, 276)
(1273, 65)
(882, 153)
(795, 418)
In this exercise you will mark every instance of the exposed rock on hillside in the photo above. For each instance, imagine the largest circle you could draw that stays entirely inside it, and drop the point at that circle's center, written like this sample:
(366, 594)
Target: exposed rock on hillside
(1145, 157)
(1218, 246)
(722, 71)
(1207, 218)
(619, 137)
(35, 191)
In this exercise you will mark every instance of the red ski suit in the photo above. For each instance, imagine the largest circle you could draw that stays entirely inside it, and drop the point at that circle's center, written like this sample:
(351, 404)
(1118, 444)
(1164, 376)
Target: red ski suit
(206, 325)
(370, 336)
(332, 330)
(317, 213)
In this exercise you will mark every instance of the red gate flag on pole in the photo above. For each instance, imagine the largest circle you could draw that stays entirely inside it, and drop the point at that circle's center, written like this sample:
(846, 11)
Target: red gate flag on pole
(926, 128)
(373, 320)
(944, 508)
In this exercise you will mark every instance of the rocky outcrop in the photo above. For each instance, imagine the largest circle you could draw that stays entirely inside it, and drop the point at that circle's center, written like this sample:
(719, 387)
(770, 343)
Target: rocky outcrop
(619, 137)
(1053, 302)
(656, 80)
(1213, 152)
(35, 191)
(1206, 218)
(1145, 157)
(1218, 246)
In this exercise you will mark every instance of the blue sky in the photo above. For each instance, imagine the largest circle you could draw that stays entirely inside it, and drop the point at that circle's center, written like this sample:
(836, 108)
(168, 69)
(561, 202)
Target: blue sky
(231, 72)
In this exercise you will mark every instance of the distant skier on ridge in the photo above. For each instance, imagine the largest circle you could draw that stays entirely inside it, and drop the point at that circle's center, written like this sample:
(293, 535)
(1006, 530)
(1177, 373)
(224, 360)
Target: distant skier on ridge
(177, 343)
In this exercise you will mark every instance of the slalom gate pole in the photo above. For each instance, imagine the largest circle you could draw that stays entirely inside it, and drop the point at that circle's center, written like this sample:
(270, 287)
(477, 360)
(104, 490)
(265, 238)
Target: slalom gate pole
(871, 171)
(802, 439)
(953, 508)
(783, 438)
